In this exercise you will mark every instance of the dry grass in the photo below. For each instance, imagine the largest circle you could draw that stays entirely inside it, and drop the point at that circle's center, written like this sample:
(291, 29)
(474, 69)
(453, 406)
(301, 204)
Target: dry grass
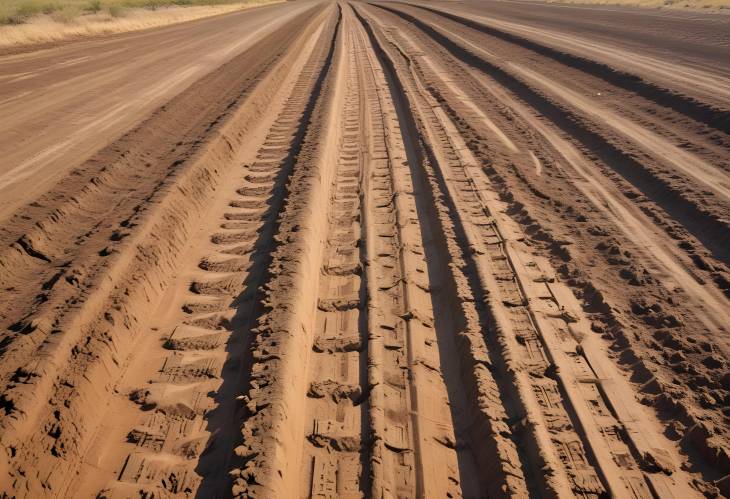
(24, 22)
(682, 4)
(23, 11)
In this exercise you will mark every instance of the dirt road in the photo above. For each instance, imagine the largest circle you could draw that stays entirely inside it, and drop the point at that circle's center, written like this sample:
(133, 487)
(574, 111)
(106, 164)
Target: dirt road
(61, 104)
(326, 249)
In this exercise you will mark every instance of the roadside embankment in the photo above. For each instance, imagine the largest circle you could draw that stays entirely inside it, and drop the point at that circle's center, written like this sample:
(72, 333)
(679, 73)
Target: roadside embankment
(32, 23)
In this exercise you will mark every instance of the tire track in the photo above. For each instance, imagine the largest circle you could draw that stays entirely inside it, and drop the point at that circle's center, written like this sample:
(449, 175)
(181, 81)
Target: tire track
(336, 431)
(273, 425)
(484, 416)
(84, 333)
(372, 270)
(413, 436)
(588, 477)
(709, 308)
(575, 415)
(639, 155)
(699, 422)
(218, 316)
(711, 115)
(655, 367)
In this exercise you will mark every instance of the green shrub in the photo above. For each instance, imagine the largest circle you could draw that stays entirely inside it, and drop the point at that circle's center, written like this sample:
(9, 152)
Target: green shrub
(153, 4)
(94, 6)
(50, 8)
(26, 10)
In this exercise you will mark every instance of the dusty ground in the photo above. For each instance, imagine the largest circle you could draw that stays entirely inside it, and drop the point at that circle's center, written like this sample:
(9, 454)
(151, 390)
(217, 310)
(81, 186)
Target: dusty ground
(351, 250)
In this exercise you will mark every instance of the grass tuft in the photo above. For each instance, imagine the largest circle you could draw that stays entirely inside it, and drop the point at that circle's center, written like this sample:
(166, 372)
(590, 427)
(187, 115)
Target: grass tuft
(93, 6)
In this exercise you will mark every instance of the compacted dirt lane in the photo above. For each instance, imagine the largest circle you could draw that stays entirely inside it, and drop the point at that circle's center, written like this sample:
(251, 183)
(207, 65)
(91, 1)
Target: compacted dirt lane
(682, 49)
(61, 104)
(387, 250)
(689, 36)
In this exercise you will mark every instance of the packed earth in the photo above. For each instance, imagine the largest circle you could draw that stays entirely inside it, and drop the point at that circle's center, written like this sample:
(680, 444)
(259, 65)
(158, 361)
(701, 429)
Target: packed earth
(347, 249)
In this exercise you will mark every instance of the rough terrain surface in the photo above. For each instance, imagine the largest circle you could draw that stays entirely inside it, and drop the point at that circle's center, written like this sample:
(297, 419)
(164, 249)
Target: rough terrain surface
(349, 249)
